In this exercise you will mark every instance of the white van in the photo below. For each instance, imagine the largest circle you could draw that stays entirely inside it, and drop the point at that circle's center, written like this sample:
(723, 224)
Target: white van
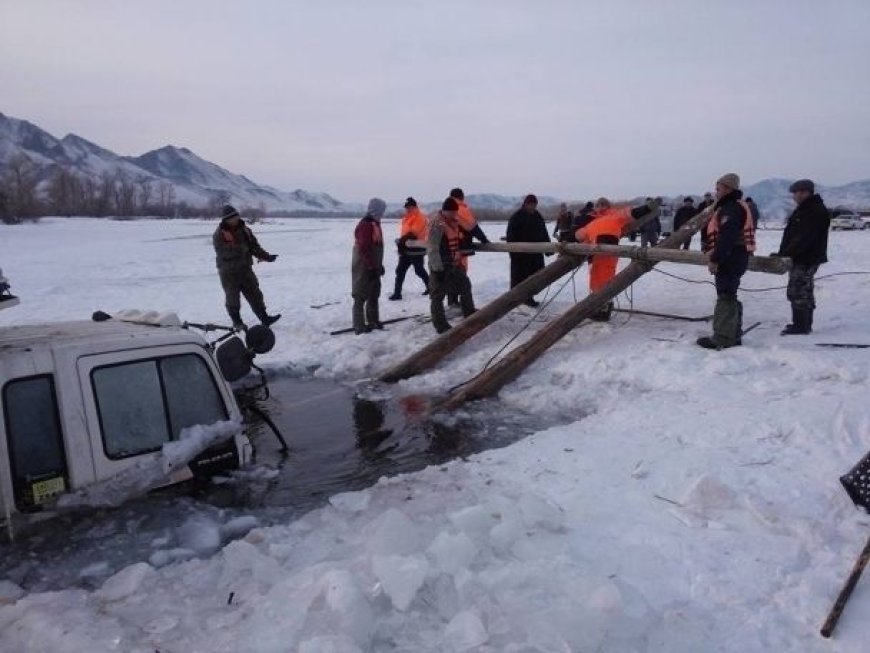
(84, 401)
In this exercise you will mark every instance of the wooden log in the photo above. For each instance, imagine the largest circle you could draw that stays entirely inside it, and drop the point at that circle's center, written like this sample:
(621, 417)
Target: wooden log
(447, 342)
(490, 381)
(768, 264)
(834, 615)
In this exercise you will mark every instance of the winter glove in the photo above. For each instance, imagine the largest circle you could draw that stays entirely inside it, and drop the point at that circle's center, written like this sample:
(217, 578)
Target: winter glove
(383, 271)
(270, 258)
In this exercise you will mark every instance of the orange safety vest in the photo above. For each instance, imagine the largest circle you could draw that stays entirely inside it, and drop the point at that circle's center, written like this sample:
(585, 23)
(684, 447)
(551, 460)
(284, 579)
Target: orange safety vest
(747, 234)
(609, 222)
(453, 233)
(415, 223)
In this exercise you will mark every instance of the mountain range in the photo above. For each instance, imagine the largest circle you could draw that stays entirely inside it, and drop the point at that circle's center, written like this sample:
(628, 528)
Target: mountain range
(198, 182)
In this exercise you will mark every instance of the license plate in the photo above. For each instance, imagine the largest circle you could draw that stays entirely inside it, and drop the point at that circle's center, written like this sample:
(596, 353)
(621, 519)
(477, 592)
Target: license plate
(45, 490)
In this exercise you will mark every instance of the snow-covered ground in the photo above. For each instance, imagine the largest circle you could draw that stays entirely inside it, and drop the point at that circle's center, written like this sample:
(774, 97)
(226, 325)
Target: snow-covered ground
(689, 503)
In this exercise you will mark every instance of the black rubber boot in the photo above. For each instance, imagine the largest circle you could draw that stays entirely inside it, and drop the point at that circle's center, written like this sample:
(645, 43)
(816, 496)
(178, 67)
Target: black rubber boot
(395, 297)
(801, 323)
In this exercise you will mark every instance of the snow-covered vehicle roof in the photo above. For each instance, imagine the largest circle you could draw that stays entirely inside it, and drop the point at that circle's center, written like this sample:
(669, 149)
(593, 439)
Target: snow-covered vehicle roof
(111, 334)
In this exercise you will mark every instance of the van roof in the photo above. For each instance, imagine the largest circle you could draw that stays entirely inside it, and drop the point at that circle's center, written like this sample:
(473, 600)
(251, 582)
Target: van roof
(65, 334)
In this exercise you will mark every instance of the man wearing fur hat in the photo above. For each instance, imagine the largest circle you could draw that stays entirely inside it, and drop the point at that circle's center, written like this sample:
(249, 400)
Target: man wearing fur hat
(729, 242)
(236, 248)
(447, 273)
(367, 268)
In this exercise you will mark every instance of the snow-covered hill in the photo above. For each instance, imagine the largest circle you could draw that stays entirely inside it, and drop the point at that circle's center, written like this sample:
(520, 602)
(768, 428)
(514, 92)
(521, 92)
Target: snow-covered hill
(193, 179)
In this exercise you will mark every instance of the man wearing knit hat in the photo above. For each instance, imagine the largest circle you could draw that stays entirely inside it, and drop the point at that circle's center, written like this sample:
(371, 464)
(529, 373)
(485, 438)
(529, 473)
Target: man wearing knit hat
(445, 265)
(805, 240)
(236, 248)
(730, 240)
(414, 226)
(367, 268)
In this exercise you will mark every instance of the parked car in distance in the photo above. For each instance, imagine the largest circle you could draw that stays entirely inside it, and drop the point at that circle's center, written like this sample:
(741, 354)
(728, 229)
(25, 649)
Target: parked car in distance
(847, 221)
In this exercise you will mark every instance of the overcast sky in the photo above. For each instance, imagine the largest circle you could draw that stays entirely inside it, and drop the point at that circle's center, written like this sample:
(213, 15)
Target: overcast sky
(396, 97)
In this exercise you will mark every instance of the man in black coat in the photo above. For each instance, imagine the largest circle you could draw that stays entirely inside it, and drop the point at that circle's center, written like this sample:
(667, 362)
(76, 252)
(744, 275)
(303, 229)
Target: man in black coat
(527, 226)
(805, 240)
(685, 213)
(730, 242)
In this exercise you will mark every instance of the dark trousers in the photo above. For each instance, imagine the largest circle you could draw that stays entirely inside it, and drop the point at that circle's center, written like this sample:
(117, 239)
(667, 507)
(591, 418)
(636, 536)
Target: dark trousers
(525, 265)
(406, 261)
(242, 282)
(453, 279)
(365, 302)
(801, 286)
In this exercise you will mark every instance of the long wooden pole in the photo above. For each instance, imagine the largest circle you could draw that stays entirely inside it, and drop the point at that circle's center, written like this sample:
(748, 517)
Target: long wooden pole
(511, 366)
(769, 264)
(835, 613)
(444, 344)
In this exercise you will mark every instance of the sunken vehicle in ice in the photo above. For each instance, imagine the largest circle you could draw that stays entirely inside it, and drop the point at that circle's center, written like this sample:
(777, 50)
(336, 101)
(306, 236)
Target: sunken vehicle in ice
(85, 401)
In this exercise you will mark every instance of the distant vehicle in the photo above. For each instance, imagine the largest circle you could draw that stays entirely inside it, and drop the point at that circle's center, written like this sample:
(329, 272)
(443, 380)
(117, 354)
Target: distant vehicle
(847, 221)
(866, 220)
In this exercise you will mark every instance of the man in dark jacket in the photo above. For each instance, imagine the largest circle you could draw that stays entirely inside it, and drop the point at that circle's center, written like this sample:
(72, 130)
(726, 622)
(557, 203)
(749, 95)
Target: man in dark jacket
(805, 240)
(367, 268)
(236, 248)
(526, 226)
(729, 244)
(685, 213)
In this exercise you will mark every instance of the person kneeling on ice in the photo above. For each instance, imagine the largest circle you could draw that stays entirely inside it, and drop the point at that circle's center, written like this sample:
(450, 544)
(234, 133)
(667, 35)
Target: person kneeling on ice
(367, 268)
(415, 226)
(729, 242)
(805, 240)
(608, 225)
(236, 248)
(445, 265)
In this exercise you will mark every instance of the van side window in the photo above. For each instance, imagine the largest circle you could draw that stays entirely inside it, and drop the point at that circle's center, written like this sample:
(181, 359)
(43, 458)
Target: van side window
(130, 404)
(35, 440)
(191, 393)
(144, 404)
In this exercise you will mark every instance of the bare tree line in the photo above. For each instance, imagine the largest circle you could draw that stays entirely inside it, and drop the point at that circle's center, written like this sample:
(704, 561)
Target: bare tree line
(25, 195)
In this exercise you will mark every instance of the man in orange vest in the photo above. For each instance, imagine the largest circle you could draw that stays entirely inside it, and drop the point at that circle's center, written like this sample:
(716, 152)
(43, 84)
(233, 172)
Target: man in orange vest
(445, 265)
(468, 224)
(608, 225)
(729, 242)
(415, 226)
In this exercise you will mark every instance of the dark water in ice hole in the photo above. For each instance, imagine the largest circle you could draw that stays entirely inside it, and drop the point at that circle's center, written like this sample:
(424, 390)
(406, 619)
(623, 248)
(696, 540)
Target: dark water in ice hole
(339, 441)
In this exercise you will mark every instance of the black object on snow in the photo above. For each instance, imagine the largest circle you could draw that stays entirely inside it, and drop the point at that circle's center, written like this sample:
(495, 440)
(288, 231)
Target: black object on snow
(856, 482)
